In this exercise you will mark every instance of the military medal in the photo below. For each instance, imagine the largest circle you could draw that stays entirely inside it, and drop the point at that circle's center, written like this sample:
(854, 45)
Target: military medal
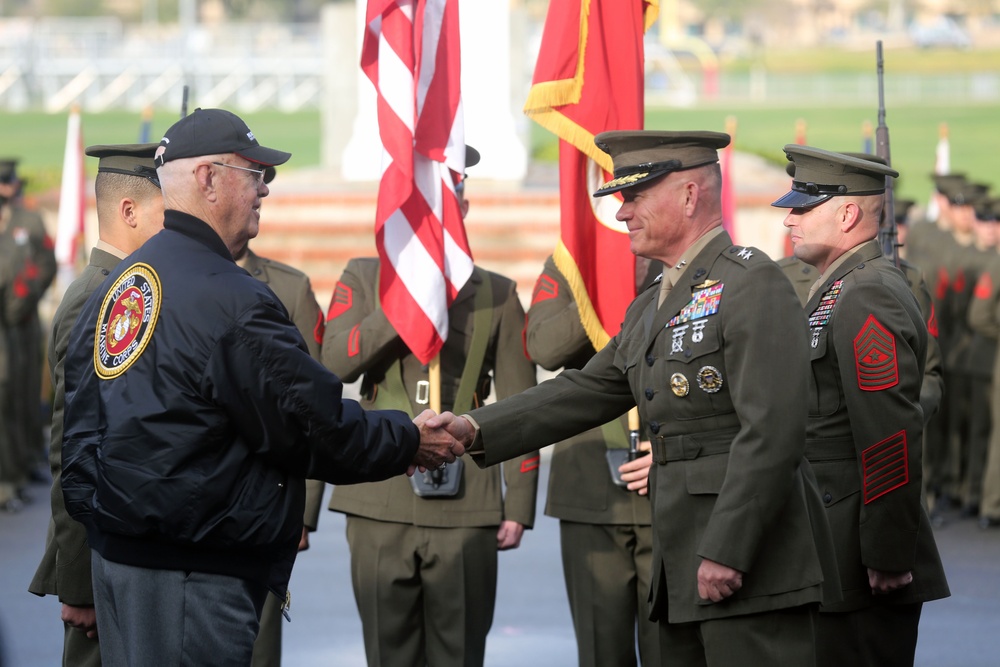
(679, 385)
(677, 342)
(709, 379)
(698, 331)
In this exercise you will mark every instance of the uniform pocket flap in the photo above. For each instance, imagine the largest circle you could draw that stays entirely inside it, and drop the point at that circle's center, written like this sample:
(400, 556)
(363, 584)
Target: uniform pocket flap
(706, 474)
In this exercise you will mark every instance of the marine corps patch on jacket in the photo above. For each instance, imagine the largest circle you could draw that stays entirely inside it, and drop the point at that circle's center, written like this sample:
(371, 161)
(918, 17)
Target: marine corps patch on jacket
(126, 321)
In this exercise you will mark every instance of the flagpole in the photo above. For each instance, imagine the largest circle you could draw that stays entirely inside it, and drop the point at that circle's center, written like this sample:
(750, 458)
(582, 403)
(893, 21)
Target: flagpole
(434, 379)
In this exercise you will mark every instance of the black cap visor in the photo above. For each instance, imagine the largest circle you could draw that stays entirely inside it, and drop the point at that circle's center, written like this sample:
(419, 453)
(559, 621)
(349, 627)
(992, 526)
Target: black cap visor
(796, 199)
(266, 157)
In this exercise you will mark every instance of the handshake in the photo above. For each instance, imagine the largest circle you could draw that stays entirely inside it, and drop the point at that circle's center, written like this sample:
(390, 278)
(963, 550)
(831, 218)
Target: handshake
(443, 438)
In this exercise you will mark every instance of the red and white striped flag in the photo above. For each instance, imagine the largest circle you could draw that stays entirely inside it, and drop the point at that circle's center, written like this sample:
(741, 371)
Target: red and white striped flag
(411, 53)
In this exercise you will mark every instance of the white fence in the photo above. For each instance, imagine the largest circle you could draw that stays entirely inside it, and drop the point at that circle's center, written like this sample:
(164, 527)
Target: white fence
(49, 64)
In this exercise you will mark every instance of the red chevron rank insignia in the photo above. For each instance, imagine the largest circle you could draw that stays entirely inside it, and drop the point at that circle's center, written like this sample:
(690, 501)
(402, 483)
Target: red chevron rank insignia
(932, 325)
(343, 299)
(319, 329)
(545, 288)
(354, 341)
(527, 465)
(984, 286)
(942, 283)
(885, 466)
(875, 354)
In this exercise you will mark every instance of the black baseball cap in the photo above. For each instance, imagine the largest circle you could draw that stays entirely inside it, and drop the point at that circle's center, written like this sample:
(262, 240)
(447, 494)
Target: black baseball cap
(212, 132)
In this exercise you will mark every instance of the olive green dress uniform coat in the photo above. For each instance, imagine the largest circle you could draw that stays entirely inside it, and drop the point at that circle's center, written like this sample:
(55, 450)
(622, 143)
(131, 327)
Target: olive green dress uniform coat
(293, 289)
(65, 567)
(726, 414)
(360, 341)
(605, 529)
(869, 342)
(803, 276)
(24, 332)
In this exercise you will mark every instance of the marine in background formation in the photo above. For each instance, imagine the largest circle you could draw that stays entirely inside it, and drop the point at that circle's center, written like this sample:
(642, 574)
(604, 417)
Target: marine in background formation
(29, 268)
(424, 557)
(604, 528)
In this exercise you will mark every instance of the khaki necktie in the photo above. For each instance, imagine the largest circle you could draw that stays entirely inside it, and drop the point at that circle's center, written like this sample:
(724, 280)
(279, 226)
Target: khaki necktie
(665, 285)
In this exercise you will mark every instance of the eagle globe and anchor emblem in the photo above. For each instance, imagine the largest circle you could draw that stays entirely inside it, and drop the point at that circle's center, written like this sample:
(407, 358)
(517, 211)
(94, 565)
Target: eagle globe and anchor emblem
(127, 319)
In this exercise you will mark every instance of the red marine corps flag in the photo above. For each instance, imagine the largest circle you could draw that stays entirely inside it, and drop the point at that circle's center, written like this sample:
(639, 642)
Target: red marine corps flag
(411, 54)
(589, 80)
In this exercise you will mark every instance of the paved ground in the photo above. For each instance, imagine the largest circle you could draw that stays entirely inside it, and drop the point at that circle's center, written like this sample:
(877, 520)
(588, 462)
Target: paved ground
(532, 624)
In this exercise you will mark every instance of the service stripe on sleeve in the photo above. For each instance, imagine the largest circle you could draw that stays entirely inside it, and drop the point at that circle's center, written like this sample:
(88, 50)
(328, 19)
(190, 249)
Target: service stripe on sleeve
(885, 466)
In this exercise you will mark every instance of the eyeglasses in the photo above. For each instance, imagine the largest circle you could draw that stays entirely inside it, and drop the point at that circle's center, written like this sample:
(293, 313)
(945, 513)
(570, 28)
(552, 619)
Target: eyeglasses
(259, 172)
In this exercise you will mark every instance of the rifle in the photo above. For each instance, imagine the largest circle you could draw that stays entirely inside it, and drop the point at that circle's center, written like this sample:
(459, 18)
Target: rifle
(888, 235)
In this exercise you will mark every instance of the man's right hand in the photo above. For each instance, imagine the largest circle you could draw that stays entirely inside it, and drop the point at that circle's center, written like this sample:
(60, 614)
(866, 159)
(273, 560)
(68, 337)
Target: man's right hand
(83, 619)
(437, 445)
(459, 427)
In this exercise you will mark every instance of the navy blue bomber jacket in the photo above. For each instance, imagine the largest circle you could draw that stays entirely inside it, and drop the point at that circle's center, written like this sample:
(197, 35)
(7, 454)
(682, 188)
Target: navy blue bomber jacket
(194, 412)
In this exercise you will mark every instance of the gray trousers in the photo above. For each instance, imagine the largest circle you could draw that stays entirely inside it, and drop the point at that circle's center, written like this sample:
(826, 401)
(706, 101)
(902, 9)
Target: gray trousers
(171, 618)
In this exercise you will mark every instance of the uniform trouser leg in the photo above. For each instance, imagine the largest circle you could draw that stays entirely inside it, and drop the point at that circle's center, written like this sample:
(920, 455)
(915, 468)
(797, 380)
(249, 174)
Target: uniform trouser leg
(459, 573)
(425, 595)
(386, 581)
(879, 636)
(783, 637)
(79, 650)
(989, 507)
(935, 453)
(959, 396)
(607, 571)
(26, 365)
(10, 461)
(979, 436)
(267, 647)
(171, 618)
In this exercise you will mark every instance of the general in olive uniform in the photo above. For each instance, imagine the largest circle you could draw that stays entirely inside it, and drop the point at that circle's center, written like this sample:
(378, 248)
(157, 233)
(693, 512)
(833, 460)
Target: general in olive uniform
(293, 289)
(738, 527)
(868, 344)
(424, 568)
(129, 211)
(604, 529)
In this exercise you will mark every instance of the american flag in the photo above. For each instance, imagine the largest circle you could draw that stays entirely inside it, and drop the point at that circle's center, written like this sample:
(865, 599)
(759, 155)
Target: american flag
(411, 53)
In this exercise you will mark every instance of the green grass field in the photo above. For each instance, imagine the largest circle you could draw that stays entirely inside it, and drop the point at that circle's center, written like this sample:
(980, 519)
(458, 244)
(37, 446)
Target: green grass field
(38, 139)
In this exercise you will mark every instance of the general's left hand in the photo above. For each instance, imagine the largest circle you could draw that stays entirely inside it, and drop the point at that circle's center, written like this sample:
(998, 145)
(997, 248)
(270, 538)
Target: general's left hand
(716, 581)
